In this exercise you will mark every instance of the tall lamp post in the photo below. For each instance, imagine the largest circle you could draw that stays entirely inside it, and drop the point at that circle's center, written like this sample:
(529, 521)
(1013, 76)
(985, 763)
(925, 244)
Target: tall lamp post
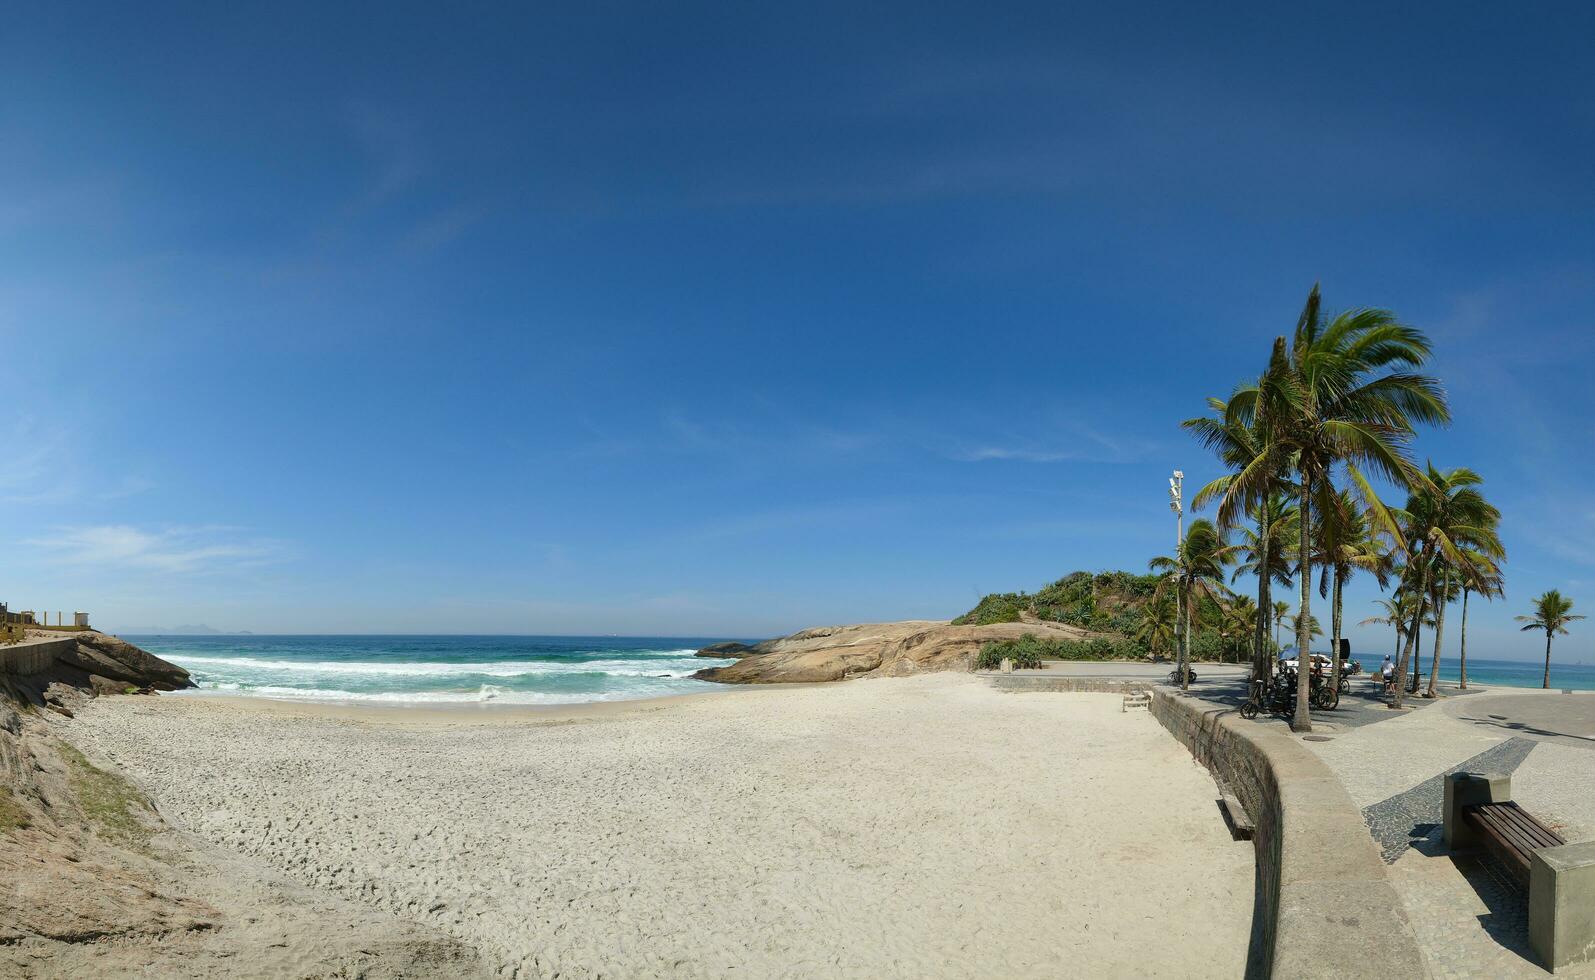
(1177, 505)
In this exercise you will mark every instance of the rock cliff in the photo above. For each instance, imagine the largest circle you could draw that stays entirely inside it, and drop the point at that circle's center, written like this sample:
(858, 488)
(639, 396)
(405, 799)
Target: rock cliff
(832, 653)
(40, 670)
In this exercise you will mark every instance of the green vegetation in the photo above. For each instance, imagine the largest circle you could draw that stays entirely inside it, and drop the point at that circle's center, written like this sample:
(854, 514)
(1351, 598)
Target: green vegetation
(1138, 616)
(117, 810)
(1451, 532)
(12, 816)
(1106, 602)
(1194, 573)
(1340, 400)
(1029, 650)
(996, 608)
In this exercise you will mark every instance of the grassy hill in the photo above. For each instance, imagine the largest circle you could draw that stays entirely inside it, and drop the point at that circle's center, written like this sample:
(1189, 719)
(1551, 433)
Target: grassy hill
(1106, 602)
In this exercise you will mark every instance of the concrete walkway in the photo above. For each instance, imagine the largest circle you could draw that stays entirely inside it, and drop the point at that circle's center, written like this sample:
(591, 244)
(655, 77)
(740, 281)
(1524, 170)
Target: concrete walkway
(1361, 701)
(1470, 919)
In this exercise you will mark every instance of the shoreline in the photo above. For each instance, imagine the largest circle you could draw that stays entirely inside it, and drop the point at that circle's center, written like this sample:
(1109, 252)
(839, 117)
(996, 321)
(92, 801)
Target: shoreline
(472, 712)
(495, 713)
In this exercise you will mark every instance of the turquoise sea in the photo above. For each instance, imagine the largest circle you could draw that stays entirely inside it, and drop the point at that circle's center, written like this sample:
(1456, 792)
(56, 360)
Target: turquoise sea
(440, 669)
(1518, 673)
(1484, 672)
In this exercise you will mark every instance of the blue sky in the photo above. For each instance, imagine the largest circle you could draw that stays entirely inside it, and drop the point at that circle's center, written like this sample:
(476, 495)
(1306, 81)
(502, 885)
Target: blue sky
(730, 320)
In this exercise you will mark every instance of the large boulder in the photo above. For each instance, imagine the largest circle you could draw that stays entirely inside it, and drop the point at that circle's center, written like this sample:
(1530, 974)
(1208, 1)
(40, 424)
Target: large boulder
(118, 660)
(727, 650)
(89, 662)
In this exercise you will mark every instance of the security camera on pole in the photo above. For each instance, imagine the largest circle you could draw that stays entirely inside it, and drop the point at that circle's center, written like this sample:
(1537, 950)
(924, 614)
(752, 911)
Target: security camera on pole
(1181, 621)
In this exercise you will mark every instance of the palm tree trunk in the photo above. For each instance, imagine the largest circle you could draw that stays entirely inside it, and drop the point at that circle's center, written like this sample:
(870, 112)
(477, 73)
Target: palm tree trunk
(1334, 640)
(1439, 631)
(1303, 722)
(1185, 650)
(1260, 654)
(1462, 659)
(1546, 684)
(1411, 645)
(1417, 647)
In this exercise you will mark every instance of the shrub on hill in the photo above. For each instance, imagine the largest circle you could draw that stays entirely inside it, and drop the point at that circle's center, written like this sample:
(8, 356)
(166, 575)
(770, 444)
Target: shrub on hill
(1105, 602)
(1029, 650)
(1003, 607)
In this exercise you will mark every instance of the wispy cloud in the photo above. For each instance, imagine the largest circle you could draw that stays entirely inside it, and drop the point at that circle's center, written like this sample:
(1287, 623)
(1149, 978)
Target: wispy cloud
(32, 472)
(393, 146)
(1025, 455)
(680, 433)
(1074, 442)
(166, 549)
(758, 435)
(846, 513)
(127, 486)
(437, 231)
(1565, 530)
(35, 471)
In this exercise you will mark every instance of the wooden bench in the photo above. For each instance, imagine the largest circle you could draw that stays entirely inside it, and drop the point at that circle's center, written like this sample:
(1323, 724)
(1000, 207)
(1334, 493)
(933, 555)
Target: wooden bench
(1510, 833)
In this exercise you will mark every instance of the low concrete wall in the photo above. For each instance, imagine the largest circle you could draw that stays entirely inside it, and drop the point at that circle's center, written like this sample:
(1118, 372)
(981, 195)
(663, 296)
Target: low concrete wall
(1323, 905)
(34, 656)
(1044, 682)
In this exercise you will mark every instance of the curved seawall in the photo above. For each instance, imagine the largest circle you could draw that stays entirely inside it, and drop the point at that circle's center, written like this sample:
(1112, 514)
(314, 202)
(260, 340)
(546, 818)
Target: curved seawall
(1323, 905)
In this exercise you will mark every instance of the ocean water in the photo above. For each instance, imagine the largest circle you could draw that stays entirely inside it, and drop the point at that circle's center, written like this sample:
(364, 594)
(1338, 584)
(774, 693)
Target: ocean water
(1483, 672)
(439, 669)
(1519, 673)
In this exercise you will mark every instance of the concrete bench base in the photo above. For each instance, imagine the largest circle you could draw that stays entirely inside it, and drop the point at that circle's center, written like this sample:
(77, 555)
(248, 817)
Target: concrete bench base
(1562, 904)
(1465, 789)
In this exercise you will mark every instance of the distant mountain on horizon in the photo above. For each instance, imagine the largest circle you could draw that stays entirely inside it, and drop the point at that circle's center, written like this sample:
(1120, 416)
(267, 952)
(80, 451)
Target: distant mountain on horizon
(189, 629)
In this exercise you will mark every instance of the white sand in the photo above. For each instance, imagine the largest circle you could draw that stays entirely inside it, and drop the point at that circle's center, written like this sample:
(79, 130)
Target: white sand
(927, 827)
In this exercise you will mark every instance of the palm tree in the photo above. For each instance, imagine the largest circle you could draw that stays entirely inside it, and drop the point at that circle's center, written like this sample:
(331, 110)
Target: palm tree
(1419, 614)
(1155, 631)
(1394, 615)
(1308, 629)
(1280, 609)
(1346, 544)
(1237, 622)
(1343, 393)
(1487, 581)
(1196, 570)
(1398, 613)
(1552, 613)
(1447, 589)
(1445, 512)
(1237, 438)
(1265, 547)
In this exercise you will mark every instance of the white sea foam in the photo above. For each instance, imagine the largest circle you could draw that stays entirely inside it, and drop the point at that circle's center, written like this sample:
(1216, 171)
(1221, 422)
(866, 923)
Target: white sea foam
(487, 693)
(672, 666)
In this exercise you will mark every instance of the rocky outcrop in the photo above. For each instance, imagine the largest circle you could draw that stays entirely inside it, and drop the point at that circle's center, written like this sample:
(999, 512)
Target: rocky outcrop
(833, 653)
(92, 663)
(729, 649)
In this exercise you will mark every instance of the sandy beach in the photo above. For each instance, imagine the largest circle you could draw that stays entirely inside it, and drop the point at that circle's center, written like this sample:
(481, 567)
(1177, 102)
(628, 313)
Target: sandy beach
(915, 827)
